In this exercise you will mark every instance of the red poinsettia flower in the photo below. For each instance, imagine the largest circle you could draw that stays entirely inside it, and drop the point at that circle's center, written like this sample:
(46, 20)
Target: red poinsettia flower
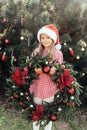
(20, 76)
(19, 81)
(17, 72)
(38, 112)
(13, 77)
(65, 79)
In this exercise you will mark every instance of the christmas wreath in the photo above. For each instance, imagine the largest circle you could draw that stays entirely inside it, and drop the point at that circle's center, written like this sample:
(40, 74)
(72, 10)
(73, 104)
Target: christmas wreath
(65, 100)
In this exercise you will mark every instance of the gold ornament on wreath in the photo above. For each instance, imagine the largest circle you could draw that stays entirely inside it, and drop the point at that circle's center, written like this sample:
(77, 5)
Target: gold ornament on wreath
(66, 99)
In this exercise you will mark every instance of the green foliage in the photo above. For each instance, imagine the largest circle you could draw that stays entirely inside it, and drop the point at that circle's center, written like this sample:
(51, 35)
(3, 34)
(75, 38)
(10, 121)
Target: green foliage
(65, 101)
(12, 120)
(32, 15)
(74, 125)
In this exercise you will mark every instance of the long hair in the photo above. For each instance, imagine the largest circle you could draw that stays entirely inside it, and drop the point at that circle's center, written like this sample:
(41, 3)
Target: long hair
(51, 50)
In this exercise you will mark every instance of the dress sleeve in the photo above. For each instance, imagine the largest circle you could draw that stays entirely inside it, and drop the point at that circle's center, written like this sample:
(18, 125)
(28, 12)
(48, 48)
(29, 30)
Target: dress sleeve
(59, 57)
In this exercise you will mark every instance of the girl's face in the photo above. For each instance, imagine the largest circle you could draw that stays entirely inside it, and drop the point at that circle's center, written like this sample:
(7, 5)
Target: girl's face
(46, 41)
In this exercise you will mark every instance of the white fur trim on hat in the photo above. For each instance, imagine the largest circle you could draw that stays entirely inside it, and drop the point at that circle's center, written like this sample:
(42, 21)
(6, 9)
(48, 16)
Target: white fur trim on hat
(58, 46)
(48, 32)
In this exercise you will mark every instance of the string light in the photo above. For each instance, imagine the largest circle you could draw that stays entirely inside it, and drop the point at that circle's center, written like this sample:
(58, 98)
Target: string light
(59, 109)
(65, 43)
(22, 38)
(82, 49)
(72, 97)
(21, 94)
(22, 110)
(31, 106)
(42, 123)
(78, 57)
(58, 96)
(13, 86)
(83, 74)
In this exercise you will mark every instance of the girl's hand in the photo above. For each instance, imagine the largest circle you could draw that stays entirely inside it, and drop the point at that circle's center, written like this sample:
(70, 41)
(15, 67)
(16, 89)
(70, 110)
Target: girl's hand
(52, 71)
(38, 70)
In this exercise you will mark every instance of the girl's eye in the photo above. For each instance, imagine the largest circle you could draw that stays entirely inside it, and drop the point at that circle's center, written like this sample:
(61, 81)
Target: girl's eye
(42, 37)
(45, 37)
(48, 37)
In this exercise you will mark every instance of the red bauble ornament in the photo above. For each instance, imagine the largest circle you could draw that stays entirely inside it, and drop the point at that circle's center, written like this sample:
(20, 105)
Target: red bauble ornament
(46, 69)
(21, 103)
(35, 118)
(53, 118)
(6, 41)
(12, 97)
(4, 56)
(26, 93)
(26, 108)
(63, 67)
(73, 104)
(71, 91)
(71, 51)
(64, 101)
(4, 20)
(15, 59)
(67, 104)
(15, 95)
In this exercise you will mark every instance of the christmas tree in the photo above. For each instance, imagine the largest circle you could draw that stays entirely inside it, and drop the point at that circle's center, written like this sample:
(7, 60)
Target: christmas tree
(14, 40)
(10, 32)
(20, 21)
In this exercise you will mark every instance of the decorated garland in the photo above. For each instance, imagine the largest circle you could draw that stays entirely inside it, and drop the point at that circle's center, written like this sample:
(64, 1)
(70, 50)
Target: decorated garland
(65, 100)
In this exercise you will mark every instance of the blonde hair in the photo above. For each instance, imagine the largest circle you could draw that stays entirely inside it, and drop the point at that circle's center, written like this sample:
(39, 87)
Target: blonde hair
(51, 51)
(40, 50)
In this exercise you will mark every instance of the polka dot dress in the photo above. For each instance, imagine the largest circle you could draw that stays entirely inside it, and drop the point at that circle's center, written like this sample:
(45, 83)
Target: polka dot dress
(44, 87)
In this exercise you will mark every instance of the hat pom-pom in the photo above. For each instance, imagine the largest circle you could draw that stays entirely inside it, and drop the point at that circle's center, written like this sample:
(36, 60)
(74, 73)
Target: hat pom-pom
(58, 47)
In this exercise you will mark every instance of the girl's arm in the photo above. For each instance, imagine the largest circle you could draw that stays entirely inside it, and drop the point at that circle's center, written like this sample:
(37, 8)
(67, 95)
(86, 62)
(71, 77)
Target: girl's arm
(59, 57)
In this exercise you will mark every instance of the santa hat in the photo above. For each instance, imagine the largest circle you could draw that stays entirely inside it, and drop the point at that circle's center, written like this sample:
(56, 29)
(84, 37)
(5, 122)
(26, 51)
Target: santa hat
(52, 32)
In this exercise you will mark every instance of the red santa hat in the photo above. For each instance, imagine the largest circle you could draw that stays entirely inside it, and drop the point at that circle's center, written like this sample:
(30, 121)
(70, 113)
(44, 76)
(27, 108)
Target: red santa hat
(52, 32)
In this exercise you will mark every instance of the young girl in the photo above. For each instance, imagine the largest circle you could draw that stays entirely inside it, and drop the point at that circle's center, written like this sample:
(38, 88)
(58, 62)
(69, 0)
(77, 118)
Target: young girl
(44, 88)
